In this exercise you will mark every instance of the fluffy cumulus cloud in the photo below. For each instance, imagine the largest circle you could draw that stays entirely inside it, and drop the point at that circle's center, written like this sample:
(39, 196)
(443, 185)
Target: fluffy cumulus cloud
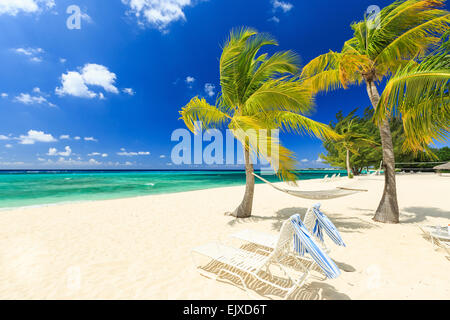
(75, 83)
(34, 136)
(4, 95)
(210, 89)
(14, 7)
(54, 152)
(158, 14)
(90, 139)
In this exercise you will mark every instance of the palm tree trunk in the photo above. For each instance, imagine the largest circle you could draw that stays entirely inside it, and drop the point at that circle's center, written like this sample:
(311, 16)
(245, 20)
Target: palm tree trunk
(387, 210)
(347, 162)
(244, 210)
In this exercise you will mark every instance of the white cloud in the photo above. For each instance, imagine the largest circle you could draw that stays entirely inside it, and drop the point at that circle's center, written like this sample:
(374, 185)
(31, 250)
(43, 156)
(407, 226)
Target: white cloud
(26, 98)
(77, 138)
(158, 13)
(93, 161)
(98, 75)
(190, 79)
(73, 84)
(274, 19)
(76, 83)
(3, 137)
(34, 136)
(37, 98)
(132, 154)
(304, 160)
(319, 159)
(284, 6)
(210, 89)
(86, 17)
(62, 60)
(129, 91)
(55, 152)
(97, 154)
(34, 54)
(162, 156)
(4, 95)
(64, 137)
(8, 145)
(13, 7)
(90, 139)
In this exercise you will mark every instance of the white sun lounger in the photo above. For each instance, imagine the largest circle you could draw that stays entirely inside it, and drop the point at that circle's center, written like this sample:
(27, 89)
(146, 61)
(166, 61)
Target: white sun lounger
(253, 263)
(435, 241)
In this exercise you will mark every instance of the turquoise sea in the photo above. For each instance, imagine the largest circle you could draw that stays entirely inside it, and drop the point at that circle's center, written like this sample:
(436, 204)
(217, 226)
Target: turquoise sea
(30, 188)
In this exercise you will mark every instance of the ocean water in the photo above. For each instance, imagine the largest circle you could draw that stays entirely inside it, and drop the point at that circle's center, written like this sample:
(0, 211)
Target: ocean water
(31, 188)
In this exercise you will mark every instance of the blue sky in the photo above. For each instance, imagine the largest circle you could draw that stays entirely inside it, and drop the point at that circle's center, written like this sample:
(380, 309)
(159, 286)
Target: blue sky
(107, 95)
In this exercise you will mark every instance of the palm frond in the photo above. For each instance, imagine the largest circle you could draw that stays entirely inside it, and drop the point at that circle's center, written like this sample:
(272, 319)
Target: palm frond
(279, 63)
(198, 110)
(292, 122)
(415, 42)
(400, 26)
(233, 48)
(251, 133)
(281, 94)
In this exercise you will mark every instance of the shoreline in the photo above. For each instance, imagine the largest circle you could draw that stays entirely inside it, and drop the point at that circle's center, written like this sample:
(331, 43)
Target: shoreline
(119, 196)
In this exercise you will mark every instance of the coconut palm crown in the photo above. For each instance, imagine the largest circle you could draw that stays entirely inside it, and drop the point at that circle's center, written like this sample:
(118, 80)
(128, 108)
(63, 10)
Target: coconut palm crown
(403, 31)
(420, 93)
(258, 91)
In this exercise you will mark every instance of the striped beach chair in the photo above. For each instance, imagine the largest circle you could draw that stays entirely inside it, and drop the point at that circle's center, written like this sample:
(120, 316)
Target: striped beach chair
(304, 244)
(317, 223)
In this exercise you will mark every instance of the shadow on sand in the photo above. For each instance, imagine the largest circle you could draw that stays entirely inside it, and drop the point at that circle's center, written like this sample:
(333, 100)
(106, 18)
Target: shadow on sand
(345, 224)
(412, 214)
(419, 214)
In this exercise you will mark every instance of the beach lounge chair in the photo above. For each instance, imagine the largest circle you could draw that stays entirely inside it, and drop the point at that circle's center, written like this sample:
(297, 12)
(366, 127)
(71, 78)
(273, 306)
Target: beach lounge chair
(435, 241)
(304, 243)
(315, 221)
(325, 179)
(292, 232)
(252, 263)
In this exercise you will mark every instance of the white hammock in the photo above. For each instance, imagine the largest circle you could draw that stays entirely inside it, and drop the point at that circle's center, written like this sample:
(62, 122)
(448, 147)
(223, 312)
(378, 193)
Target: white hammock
(315, 195)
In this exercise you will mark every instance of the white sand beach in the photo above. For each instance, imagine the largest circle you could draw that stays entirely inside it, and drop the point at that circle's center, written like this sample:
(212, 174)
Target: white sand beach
(139, 248)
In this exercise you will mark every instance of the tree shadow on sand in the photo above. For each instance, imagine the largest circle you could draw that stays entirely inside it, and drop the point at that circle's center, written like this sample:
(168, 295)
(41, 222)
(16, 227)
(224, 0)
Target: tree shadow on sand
(278, 218)
(420, 214)
(346, 224)
(412, 214)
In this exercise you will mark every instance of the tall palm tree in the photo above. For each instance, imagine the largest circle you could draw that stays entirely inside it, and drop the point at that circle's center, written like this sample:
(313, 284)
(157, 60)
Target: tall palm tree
(420, 92)
(258, 92)
(402, 31)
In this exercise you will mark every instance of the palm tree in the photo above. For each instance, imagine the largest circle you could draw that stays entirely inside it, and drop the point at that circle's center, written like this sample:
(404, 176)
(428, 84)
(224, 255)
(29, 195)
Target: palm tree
(420, 92)
(350, 141)
(402, 31)
(258, 92)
